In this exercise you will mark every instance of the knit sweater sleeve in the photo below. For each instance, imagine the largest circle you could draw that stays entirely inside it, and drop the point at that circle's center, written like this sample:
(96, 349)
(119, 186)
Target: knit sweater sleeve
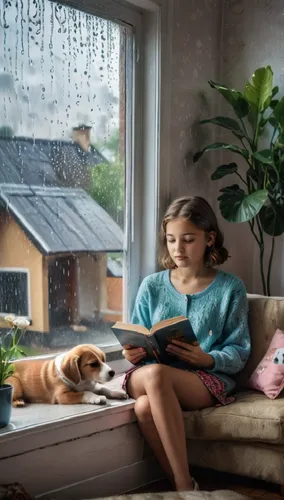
(232, 349)
(141, 311)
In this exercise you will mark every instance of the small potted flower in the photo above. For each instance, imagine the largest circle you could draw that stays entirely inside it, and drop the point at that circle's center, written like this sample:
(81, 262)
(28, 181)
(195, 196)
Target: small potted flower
(9, 351)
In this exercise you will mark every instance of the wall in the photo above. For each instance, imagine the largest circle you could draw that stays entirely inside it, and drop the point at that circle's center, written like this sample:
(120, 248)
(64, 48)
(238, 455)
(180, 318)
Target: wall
(223, 41)
(195, 60)
(16, 250)
(253, 36)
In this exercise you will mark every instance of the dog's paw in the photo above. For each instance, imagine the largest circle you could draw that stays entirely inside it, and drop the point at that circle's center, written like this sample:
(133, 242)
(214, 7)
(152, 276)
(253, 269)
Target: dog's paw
(119, 395)
(19, 403)
(93, 399)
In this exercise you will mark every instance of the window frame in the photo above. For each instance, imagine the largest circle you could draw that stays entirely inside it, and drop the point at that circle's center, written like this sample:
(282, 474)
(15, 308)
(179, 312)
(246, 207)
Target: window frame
(19, 270)
(151, 139)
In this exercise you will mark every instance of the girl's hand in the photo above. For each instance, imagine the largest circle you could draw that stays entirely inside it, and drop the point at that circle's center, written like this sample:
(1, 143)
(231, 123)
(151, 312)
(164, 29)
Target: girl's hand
(133, 354)
(191, 354)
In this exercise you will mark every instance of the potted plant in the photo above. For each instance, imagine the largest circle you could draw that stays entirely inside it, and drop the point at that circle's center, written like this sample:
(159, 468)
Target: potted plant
(259, 200)
(9, 351)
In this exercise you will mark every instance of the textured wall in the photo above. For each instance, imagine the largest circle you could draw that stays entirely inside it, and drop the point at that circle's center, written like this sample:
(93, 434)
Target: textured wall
(195, 60)
(253, 36)
(224, 41)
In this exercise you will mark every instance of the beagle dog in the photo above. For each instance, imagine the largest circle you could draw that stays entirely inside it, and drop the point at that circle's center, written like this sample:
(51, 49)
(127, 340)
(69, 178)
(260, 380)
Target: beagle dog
(71, 378)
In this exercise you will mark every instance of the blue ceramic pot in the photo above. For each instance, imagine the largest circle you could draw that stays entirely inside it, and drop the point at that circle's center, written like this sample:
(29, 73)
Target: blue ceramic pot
(5, 404)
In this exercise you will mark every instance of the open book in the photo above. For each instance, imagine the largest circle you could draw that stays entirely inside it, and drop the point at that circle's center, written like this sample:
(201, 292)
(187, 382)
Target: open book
(155, 341)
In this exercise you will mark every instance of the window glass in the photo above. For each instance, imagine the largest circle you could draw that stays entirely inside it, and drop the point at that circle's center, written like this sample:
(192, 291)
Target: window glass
(63, 123)
(14, 293)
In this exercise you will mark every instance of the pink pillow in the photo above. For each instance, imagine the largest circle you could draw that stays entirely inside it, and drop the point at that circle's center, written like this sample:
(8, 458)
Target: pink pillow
(268, 376)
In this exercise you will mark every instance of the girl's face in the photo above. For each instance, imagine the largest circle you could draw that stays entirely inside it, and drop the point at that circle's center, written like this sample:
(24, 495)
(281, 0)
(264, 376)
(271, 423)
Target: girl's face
(186, 243)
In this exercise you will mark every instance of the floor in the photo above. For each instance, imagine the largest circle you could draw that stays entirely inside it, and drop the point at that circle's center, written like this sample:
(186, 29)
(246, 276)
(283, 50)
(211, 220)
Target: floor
(211, 480)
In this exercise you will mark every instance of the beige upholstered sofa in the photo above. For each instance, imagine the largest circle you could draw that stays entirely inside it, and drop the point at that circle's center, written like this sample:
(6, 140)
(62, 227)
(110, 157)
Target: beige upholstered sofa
(247, 436)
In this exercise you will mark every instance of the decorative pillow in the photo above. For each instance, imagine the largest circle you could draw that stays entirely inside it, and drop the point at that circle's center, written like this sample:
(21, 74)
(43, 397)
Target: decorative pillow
(268, 376)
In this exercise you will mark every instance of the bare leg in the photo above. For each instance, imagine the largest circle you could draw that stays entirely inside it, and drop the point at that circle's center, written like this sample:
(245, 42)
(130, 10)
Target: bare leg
(169, 390)
(144, 416)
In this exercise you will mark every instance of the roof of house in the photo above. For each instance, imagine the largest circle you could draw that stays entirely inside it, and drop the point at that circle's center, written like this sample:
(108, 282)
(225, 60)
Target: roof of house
(61, 220)
(37, 161)
(57, 219)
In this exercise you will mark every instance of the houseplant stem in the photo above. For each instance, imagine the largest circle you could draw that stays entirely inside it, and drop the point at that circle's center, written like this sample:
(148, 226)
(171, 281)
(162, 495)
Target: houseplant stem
(270, 265)
(261, 249)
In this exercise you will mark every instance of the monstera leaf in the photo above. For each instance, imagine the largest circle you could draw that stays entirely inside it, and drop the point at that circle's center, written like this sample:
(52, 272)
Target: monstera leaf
(221, 145)
(238, 207)
(227, 123)
(279, 113)
(272, 219)
(259, 92)
(223, 170)
(264, 156)
(236, 99)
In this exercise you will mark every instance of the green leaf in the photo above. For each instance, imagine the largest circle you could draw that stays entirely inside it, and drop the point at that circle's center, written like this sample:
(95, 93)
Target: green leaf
(273, 103)
(264, 156)
(223, 170)
(279, 113)
(10, 370)
(272, 219)
(227, 123)
(18, 353)
(235, 98)
(221, 145)
(238, 207)
(252, 174)
(259, 91)
(273, 122)
(269, 102)
(279, 143)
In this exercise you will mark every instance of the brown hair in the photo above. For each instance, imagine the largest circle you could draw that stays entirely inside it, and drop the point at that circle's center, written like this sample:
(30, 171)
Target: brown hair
(200, 213)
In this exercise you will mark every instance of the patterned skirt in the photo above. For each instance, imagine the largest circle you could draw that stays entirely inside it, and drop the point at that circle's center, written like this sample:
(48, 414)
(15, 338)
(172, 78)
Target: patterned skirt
(213, 384)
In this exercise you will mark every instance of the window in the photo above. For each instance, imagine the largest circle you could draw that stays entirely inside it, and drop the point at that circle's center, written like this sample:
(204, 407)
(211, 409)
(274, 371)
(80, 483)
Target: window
(14, 292)
(66, 86)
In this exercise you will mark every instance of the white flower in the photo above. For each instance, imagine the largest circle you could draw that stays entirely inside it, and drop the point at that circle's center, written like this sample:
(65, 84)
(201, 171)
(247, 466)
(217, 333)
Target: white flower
(21, 323)
(10, 319)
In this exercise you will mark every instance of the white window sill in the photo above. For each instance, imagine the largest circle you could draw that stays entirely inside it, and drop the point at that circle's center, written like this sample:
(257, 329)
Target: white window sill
(73, 451)
(35, 418)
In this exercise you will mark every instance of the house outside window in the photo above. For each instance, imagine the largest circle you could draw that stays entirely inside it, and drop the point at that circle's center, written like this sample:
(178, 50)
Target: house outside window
(66, 85)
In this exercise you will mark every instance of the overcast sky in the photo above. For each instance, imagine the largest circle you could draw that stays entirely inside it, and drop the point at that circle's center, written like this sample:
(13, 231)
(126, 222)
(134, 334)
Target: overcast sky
(58, 68)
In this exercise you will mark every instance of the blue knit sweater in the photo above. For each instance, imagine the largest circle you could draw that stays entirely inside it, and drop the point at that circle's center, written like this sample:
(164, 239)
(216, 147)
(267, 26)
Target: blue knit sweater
(218, 315)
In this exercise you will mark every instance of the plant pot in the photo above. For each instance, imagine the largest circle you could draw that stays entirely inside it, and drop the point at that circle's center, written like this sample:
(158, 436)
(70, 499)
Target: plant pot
(5, 404)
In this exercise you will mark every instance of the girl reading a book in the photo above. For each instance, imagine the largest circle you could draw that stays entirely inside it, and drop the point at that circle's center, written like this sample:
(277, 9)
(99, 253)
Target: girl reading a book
(215, 302)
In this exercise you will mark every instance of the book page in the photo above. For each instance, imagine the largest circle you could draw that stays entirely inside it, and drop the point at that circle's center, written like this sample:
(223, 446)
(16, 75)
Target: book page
(167, 322)
(119, 325)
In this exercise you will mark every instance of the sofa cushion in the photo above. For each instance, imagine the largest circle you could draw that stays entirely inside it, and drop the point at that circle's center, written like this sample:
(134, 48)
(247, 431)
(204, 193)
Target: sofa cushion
(268, 377)
(252, 417)
(266, 314)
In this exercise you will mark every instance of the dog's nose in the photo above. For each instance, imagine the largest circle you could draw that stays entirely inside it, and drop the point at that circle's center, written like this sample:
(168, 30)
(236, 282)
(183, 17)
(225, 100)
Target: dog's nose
(111, 373)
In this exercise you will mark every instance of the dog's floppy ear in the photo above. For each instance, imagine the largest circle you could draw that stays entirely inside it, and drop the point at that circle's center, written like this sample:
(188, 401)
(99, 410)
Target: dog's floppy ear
(70, 368)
